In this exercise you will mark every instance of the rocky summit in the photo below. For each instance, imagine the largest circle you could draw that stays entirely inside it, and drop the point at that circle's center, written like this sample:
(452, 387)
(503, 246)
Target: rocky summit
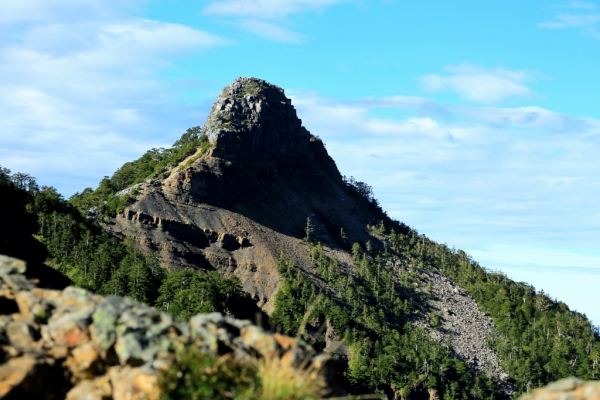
(236, 207)
(252, 117)
(240, 204)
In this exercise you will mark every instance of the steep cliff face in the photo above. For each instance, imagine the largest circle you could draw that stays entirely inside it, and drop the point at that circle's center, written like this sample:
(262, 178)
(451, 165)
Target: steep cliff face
(252, 117)
(239, 205)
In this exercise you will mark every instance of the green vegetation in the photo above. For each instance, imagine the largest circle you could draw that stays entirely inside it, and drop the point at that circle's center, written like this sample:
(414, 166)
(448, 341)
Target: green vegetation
(251, 88)
(539, 340)
(79, 248)
(370, 308)
(362, 190)
(371, 311)
(195, 375)
(18, 222)
(154, 164)
(186, 293)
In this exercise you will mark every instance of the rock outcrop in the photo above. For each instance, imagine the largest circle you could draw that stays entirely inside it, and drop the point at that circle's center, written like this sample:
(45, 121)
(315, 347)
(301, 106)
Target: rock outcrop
(263, 176)
(73, 344)
(570, 388)
(253, 117)
(239, 205)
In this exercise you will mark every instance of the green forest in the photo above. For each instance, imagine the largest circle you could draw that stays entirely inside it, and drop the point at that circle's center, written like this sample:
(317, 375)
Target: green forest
(79, 248)
(538, 339)
(154, 164)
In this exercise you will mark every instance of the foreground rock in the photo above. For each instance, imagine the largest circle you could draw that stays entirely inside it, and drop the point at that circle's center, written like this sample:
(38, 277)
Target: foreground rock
(73, 344)
(570, 388)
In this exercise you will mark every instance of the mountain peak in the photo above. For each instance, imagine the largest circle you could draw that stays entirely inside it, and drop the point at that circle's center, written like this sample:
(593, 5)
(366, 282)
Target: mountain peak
(252, 116)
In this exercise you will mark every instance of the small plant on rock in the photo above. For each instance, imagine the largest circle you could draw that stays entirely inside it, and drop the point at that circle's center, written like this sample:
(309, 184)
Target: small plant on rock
(280, 381)
(194, 375)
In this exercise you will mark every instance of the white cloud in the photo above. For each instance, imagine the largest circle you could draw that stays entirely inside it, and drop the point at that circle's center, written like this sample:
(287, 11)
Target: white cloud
(266, 9)
(557, 180)
(480, 85)
(531, 117)
(90, 95)
(267, 18)
(569, 274)
(119, 43)
(270, 31)
(586, 20)
(581, 5)
(578, 5)
(525, 177)
(497, 174)
(22, 11)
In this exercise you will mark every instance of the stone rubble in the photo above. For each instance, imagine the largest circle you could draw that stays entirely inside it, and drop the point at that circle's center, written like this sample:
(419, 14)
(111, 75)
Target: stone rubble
(73, 344)
(463, 327)
(131, 188)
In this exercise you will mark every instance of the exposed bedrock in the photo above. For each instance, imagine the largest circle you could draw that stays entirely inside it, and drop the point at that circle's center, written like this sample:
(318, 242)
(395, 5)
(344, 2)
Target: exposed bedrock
(246, 200)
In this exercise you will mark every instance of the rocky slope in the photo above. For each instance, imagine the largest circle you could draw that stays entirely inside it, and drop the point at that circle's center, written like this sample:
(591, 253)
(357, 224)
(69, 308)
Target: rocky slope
(463, 327)
(237, 207)
(65, 342)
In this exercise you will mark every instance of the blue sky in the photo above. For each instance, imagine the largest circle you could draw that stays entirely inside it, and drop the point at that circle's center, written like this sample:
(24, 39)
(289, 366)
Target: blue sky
(477, 123)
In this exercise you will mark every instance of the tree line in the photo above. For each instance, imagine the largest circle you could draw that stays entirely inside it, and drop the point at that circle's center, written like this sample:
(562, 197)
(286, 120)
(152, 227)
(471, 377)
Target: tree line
(94, 260)
(538, 339)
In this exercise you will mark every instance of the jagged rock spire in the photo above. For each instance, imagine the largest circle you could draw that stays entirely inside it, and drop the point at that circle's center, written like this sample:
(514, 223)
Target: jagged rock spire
(252, 116)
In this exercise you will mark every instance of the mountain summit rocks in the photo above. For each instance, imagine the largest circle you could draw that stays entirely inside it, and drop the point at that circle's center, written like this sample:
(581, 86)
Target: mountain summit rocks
(255, 136)
(251, 116)
(258, 179)
(259, 186)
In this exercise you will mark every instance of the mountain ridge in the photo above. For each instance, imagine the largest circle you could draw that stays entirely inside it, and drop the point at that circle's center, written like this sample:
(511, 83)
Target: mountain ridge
(316, 254)
(258, 150)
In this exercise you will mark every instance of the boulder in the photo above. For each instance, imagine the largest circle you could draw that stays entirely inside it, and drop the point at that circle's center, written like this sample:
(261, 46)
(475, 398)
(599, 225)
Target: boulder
(74, 344)
(569, 388)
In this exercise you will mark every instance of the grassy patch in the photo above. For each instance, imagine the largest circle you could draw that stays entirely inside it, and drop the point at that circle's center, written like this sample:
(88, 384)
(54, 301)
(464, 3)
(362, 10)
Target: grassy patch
(204, 147)
(194, 375)
(154, 164)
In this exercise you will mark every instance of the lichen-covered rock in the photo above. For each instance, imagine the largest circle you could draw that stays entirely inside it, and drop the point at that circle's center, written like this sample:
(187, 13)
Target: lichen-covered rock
(566, 389)
(71, 343)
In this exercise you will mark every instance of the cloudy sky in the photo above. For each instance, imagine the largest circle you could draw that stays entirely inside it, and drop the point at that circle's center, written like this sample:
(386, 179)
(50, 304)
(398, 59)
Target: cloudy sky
(477, 123)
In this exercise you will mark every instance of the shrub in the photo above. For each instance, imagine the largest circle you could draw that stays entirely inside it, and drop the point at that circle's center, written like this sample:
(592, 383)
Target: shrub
(194, 375)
